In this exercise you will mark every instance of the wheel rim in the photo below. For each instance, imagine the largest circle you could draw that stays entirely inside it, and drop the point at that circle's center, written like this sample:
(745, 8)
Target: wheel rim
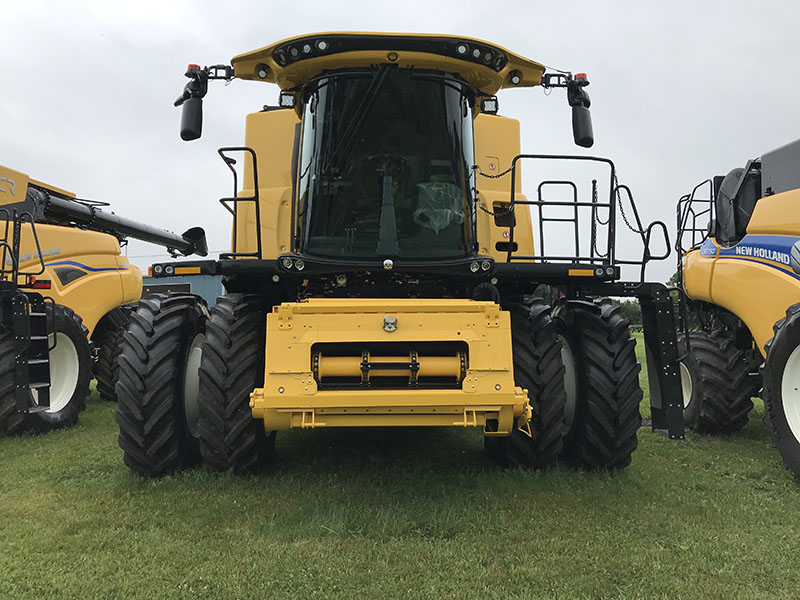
(570, 384)
(790, 392)
(64, 370)
(191, 385)
(686, 386)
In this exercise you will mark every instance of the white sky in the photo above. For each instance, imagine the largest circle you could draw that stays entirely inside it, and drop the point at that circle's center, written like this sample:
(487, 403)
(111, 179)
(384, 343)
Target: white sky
(681, 90)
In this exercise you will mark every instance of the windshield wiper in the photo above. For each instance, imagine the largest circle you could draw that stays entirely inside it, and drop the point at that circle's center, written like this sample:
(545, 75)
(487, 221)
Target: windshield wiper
(349, 134)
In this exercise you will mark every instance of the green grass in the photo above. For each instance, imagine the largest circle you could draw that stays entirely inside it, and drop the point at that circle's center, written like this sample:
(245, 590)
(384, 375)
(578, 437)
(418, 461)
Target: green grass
(397, 514)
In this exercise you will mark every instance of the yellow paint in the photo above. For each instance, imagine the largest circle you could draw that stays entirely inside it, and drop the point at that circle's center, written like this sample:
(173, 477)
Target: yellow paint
(93, 295)
(778, 215)
(13, 186)
(479, 76)
(56, 191)
(271, 135)
(187, 270)
(759, 295)
(581, 272)
(496, 144)
(290, 397)
(751, 289)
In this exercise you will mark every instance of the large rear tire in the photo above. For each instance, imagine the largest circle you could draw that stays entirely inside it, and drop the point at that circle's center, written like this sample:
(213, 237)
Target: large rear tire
(11, 422)
(781, 393)
(70, 371)
(602, 431)
(157, 385)
(232, 366)
(538, 369)
(716, 383)
(107, 338)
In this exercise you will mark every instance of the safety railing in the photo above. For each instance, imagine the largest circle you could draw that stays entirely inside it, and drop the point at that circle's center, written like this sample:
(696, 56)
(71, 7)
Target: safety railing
(601, 247)
(695, 211)
(10, 242)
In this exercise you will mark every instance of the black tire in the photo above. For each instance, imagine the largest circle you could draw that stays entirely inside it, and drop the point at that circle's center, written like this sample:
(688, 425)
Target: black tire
(154, 430)
(781, 392)
(70, 371)
(721, 386)
(11, 421)
(537, 368)
(602, 434)
(232, 367)
(107, 338)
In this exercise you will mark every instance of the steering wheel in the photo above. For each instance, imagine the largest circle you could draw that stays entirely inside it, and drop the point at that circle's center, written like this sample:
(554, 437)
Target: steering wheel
(390, 163)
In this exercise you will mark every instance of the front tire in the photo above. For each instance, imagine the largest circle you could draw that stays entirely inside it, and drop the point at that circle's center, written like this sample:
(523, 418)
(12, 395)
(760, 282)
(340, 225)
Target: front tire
(781, 394)
(716, 383)
(538, 369)
(11, 421)
(602, 433)
(232, 366)
(156, 383)
(70, 371)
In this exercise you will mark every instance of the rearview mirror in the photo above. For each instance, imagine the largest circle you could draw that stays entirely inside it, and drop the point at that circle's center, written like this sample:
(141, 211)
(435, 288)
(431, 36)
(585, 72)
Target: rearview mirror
(579, 100)
(192, 119)
(191, 100)
(582, 126)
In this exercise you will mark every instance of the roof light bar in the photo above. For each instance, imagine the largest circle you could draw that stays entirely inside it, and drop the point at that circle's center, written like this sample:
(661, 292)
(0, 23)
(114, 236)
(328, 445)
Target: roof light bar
(475, 52)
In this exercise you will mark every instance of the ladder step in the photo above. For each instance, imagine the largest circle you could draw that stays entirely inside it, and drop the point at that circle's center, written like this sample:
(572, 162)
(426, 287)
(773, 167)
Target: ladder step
(37, 314)
(37, 409)
(38, 337)
(38, 361)
(38, 385)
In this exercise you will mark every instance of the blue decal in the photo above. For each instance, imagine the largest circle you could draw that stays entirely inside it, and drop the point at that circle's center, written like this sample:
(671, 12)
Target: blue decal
(708, 248)
(72, 263)
(781, 251)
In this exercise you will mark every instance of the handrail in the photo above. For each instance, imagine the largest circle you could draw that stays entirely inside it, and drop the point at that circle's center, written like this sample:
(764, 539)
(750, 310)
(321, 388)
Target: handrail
(236, 199)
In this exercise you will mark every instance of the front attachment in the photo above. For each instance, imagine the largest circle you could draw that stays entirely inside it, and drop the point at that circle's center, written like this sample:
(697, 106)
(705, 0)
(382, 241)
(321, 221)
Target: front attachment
(388, 362)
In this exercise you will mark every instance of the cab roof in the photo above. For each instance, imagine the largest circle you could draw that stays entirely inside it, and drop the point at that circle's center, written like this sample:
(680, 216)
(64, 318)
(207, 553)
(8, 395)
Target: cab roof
(294, 61)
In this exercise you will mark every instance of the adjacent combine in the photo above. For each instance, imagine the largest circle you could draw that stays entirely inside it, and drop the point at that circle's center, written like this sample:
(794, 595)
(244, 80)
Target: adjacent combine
(384, 272)
(739, 265)
(68, 249)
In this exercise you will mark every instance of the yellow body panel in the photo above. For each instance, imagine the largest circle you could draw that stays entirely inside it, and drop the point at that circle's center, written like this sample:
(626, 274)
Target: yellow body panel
(13, 186)
(271, 135)
(778, 214)
(482, 77)
(496, 144)
(757, 289)
(290, 397)
(109, 280)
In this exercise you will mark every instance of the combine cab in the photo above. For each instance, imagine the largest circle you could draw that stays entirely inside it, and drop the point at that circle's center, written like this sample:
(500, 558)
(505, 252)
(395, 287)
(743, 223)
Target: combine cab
(383, 272)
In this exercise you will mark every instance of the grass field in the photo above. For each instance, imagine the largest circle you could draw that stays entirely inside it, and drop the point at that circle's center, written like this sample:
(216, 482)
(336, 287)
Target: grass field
(397, 514)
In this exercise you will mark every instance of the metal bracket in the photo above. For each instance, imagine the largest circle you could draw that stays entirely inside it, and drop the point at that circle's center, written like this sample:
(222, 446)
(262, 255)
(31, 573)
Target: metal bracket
(308, 419)
(468, 412)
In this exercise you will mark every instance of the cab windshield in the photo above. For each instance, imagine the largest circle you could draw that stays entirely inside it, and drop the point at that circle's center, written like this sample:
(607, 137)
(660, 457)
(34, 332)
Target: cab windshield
(385, 166)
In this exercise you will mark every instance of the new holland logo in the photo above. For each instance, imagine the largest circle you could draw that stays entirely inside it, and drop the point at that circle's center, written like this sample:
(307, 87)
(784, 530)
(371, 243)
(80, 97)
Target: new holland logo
(796, 257)
(11, 181)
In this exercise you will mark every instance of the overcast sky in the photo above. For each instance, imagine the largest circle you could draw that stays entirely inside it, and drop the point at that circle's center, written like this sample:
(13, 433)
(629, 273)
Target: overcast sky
(681, 90)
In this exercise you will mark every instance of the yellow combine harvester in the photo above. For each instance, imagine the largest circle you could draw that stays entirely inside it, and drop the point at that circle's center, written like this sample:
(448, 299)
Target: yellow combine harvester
(383, 273)
(739, 261)
(47, 244)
